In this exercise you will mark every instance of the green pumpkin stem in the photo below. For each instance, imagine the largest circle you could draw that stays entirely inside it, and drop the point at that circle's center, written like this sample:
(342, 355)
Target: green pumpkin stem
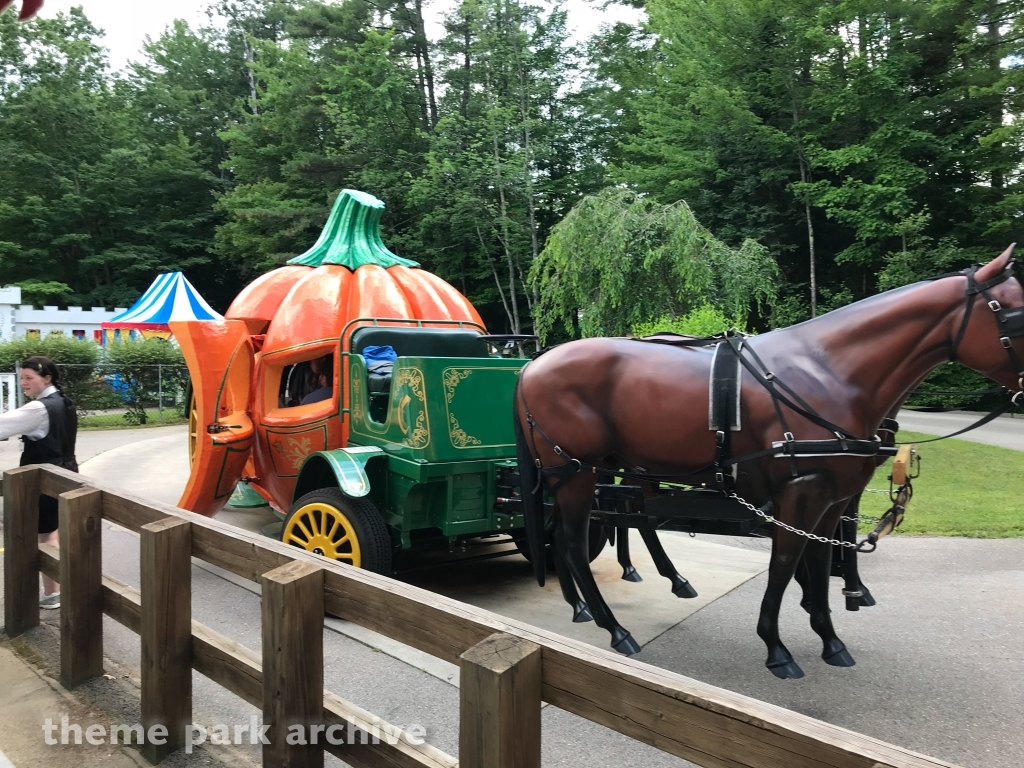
(351, 237)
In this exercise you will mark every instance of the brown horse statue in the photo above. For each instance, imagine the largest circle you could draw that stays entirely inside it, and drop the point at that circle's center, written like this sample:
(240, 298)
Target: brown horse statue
(607, 404)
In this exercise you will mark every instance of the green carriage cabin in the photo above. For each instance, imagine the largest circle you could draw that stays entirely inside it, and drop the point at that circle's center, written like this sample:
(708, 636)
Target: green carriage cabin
(427, 442)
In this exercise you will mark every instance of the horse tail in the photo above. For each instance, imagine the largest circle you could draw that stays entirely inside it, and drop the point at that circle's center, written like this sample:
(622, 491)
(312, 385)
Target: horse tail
(532, 493)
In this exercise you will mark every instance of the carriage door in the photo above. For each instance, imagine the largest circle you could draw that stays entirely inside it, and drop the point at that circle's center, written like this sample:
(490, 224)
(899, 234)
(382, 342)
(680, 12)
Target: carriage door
(299, 413)
(220, 361)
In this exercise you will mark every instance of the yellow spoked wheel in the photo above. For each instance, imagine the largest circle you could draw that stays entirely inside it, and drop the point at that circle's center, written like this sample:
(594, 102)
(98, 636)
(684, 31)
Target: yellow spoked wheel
(346, 530)
(324, 530)
(193, 424)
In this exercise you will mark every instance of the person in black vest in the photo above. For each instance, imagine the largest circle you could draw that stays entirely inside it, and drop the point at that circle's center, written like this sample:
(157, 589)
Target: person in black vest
(49, 427)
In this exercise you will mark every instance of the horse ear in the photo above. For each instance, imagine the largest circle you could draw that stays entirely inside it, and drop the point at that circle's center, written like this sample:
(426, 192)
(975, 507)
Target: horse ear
(996, 266)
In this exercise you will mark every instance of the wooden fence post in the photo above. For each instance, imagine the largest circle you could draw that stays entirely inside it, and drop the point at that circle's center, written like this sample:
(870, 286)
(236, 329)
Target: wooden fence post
(166, 558)
(21, 550)
(293, 664)
(81, 580)
(499, 704)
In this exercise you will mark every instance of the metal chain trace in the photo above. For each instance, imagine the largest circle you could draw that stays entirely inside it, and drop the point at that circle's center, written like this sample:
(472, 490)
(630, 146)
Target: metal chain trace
(790, 528)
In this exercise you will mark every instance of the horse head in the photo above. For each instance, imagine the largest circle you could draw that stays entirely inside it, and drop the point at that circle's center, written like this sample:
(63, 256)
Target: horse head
(29, 8)
(991, 334)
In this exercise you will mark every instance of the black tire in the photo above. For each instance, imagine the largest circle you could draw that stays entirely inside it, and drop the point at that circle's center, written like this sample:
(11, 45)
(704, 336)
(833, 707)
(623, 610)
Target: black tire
(598, 537)
(358, 536)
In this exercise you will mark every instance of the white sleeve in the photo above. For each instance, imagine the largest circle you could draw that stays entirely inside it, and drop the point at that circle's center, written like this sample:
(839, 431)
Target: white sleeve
(30, 420)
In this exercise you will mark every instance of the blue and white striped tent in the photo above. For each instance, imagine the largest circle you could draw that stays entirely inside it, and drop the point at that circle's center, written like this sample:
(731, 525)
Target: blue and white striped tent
(170, 297)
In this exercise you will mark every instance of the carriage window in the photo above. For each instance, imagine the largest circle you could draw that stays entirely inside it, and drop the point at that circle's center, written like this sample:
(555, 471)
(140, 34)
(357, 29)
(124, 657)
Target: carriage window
(311, 381)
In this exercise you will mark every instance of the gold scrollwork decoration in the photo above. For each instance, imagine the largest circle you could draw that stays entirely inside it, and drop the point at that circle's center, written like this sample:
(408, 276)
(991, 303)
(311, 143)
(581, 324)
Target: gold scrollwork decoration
(460, 439)
(419, 437)
(357, 400)
(293, 450)
(412, 378)
(452, 377)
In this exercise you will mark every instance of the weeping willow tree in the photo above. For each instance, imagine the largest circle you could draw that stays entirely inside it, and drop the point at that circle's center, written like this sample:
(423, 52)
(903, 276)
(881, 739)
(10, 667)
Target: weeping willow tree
(619, 259)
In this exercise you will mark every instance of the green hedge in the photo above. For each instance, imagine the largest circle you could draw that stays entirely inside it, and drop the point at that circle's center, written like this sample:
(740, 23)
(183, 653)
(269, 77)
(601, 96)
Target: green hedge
(136, 363)
(953, 377)
(77, 381)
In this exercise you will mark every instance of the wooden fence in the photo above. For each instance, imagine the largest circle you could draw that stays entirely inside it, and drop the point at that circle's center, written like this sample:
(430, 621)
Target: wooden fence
(507, 668)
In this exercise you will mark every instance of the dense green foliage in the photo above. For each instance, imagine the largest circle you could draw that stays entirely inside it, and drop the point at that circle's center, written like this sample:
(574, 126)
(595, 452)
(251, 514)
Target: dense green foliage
(705, 320)
(57, 347)
(76, 360)
(642, 260)
(866, 143)
(862, 143)
(145, 367)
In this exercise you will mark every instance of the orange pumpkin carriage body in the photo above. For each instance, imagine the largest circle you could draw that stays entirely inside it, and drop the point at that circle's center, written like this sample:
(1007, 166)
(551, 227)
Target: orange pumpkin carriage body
(242, 367)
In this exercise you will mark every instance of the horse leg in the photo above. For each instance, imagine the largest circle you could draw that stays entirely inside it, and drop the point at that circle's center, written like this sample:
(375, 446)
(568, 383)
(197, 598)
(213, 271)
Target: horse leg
(572, 528)
(818, 556)
(803, 579)
(580, 611)
(629, 573)
(798, 504)
(680, 586)
(786, 552)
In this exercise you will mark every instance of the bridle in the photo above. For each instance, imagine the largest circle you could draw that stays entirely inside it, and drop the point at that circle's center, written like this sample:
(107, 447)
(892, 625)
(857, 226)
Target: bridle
(1010, 321)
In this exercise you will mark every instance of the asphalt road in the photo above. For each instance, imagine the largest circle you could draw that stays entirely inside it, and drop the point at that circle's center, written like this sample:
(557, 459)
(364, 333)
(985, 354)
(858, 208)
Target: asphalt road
(939, 663)
(1005, 431)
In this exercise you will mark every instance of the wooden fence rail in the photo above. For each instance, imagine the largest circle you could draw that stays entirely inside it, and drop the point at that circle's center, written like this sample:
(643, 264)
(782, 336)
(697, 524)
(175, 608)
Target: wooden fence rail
(508, 668)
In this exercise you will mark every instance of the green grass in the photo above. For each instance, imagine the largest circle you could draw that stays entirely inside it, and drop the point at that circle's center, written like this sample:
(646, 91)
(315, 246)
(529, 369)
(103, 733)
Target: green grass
(965, 489)
(117, 420)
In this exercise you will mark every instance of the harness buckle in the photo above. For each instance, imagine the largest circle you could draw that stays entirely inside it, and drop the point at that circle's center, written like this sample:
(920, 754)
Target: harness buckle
(788, 436)
(720, 479)
(1005, 341)
(769, 376)
(995, 306)
(1018, 398)
(720, 438)
(842, 441)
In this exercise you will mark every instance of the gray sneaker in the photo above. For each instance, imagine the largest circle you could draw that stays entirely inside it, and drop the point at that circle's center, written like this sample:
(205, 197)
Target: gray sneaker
(50, 601)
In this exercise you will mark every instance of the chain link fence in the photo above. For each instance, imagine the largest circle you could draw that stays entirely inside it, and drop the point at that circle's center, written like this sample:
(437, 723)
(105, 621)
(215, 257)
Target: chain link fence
(111, 397)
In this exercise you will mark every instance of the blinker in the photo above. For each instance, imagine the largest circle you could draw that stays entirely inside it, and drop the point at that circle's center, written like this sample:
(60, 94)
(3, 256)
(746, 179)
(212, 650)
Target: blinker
(1012, 321)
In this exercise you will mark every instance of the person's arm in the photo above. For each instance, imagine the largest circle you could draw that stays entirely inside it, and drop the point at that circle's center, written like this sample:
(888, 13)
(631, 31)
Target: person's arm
(30, 419)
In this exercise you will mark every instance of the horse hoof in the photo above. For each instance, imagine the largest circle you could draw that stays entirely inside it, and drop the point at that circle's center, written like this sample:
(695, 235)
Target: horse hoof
(682, 588)
(629, 573)
(840, 658)
(581, 613)
(786, 670)
(626, 645)
(866, 599)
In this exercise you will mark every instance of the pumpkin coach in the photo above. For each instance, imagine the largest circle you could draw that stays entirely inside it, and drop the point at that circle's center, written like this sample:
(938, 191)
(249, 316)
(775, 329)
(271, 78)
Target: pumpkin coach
(359, 459)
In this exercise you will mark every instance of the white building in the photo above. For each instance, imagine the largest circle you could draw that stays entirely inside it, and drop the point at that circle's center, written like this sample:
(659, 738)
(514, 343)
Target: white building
(18, 320)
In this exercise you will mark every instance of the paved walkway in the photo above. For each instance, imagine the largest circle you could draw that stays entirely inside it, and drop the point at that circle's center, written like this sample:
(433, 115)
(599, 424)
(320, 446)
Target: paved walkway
(93, 443)
(939, 663)
(1005, 431)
